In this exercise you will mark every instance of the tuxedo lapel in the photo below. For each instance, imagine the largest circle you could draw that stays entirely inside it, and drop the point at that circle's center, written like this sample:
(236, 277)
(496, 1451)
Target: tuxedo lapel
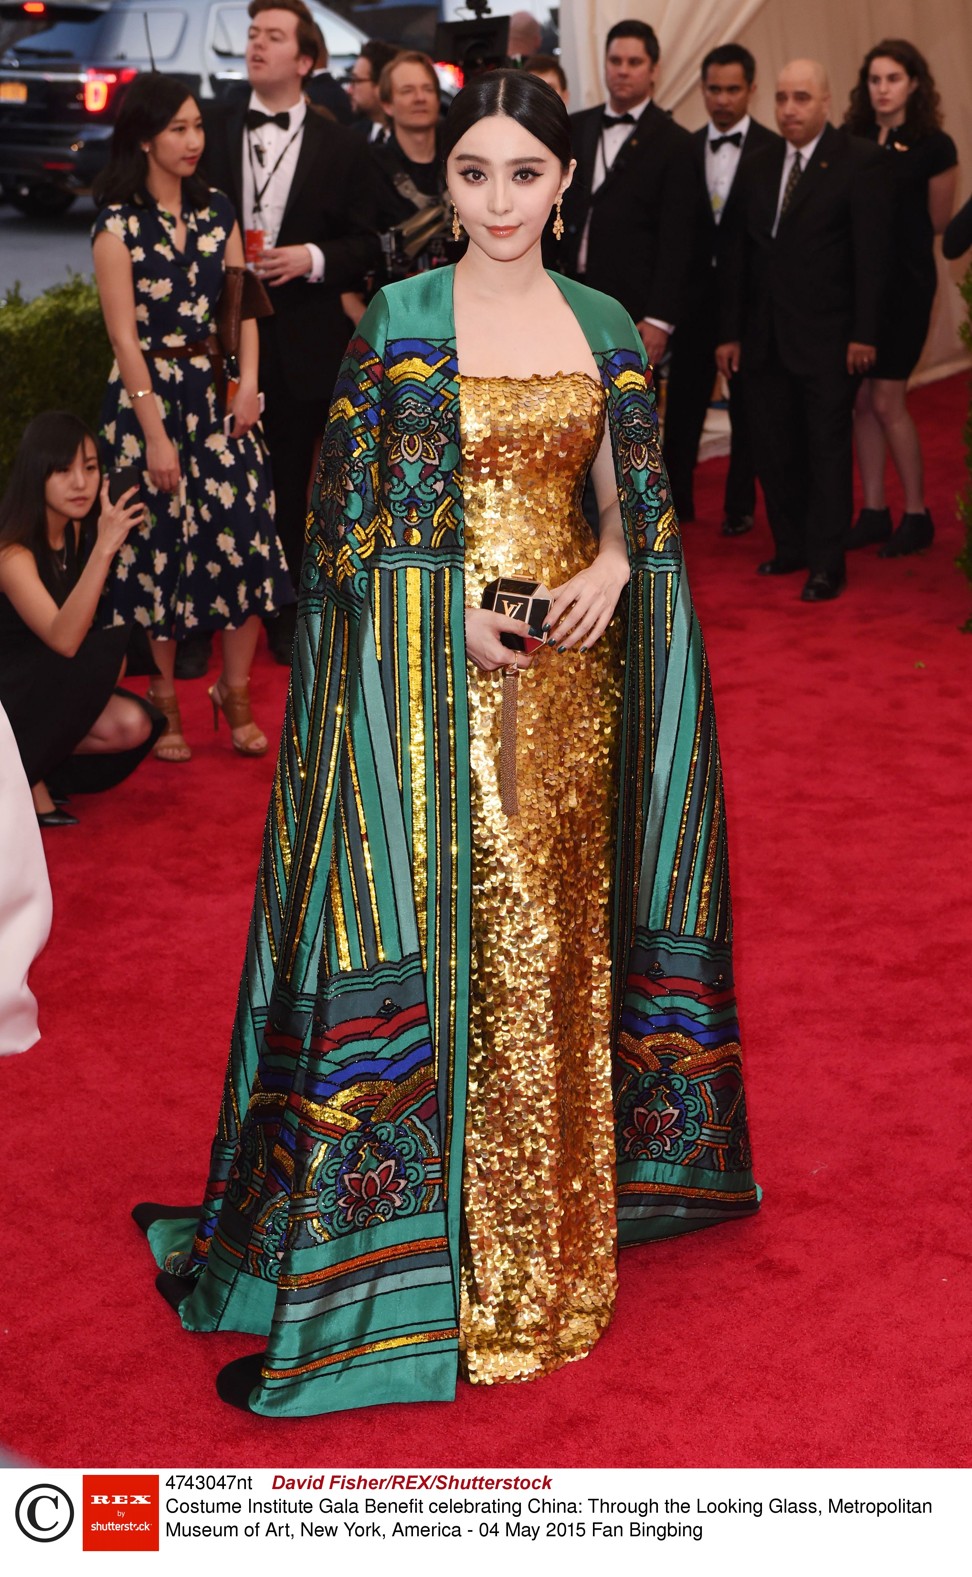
(630, 146)
(588, 128)
(310, 144)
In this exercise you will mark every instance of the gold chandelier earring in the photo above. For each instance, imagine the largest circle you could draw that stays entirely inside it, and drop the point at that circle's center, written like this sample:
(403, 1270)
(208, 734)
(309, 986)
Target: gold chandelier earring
(558, 224)
(456, 224)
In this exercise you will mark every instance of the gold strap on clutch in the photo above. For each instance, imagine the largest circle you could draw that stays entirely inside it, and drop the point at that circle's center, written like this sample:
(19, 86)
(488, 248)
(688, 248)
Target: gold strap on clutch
(509, 804)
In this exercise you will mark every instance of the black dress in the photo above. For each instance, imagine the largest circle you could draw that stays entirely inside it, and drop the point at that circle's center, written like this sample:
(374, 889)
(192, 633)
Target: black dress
(913, 277)
(53, 701)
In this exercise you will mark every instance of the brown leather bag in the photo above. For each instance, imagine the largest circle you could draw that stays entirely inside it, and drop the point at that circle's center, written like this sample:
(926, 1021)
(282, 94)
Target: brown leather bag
(242, 296)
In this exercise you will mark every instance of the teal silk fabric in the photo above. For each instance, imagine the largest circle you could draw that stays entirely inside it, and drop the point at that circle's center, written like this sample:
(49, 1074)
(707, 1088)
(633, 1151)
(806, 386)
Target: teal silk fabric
(331, 1218)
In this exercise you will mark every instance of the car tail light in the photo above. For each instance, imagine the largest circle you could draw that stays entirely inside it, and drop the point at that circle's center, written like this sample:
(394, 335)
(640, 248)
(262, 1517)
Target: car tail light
(35, 7)
(101, 86)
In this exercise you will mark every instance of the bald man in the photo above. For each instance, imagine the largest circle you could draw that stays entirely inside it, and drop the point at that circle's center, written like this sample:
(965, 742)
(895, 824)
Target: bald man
(525, 36)
(802, 273)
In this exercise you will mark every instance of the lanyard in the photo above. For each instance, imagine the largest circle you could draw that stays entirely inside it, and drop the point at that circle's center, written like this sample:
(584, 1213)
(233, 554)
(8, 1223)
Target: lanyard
(259, 195)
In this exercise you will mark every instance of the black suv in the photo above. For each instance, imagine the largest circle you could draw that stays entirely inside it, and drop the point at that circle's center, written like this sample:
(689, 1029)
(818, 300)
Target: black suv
(64, 69)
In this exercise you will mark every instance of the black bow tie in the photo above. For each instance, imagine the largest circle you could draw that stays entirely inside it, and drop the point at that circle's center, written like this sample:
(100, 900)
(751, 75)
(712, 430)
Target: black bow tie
(735, 137)
(617, 120)
(256, 118)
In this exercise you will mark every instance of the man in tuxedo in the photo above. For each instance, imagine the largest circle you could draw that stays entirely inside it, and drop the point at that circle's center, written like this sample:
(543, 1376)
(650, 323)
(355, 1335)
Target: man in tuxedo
(730, 137)
(804, 260)
(631, 210)
(302, 188)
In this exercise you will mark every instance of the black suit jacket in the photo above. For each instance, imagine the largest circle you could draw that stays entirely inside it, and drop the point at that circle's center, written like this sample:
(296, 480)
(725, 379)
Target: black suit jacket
(327, 94)
(804, 294)
(331, 203)
(757, 137)
(644, 215)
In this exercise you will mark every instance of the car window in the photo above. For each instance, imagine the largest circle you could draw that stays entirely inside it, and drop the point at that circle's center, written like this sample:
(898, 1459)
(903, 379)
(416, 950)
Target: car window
(75, 40)
(133, 31)
(340, 38)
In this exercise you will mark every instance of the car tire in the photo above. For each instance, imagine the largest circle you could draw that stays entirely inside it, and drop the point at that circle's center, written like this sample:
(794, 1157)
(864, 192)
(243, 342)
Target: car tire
(41, 202)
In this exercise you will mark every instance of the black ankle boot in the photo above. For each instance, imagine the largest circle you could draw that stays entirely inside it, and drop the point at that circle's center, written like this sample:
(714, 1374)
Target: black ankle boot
(914, 533)
(872, 525)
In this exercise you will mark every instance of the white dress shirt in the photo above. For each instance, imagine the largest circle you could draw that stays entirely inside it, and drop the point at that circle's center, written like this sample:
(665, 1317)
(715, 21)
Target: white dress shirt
(806, 154)
(721, 165)
(612, 140)
(272, 141)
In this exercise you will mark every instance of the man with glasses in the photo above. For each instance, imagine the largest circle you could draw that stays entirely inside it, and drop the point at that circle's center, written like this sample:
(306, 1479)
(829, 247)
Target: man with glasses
(362, 85)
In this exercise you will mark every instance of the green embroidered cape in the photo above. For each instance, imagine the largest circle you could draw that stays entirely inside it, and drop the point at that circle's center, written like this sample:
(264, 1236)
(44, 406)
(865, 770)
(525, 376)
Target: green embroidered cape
(331, 1219)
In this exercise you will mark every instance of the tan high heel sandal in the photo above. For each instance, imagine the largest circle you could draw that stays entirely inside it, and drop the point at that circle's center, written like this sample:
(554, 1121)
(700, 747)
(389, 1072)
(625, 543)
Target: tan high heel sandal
(234, 703)
(164, 748)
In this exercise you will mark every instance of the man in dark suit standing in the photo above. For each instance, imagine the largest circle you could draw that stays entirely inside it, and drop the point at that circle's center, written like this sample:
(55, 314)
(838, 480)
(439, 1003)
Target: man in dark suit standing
(803, 268)
(731, 137)
(630, 211)
(302, 187)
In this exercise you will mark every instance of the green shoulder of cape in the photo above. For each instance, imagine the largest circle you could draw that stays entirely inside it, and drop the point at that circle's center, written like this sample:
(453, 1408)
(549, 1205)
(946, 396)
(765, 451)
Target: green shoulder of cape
(426, 300)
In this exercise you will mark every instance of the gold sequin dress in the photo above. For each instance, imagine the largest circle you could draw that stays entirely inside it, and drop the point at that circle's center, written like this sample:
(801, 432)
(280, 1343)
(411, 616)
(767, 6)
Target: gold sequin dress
(538, 1246)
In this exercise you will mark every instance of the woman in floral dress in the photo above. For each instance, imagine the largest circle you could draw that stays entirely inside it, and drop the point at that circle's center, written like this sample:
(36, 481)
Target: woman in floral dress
(208, 556)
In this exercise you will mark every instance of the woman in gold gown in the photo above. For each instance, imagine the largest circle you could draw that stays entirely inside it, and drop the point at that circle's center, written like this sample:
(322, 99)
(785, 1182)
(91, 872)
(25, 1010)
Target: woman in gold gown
(494, 883)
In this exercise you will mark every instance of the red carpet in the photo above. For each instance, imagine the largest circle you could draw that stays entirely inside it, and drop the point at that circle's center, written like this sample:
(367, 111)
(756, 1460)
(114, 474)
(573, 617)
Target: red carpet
(825, 1331)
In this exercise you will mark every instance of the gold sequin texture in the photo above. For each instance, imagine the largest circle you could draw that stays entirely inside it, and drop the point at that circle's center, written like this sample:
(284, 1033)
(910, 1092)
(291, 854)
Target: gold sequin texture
(538, 1252)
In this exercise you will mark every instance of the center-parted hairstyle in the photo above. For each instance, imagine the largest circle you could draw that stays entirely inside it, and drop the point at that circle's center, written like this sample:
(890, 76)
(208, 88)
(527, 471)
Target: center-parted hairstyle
(532, 103)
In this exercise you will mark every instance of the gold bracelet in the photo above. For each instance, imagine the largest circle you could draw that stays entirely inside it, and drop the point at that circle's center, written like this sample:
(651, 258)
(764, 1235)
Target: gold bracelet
(139, 394)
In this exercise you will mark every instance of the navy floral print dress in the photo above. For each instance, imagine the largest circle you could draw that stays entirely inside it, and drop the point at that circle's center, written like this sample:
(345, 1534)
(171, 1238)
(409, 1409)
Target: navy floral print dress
(208, 554)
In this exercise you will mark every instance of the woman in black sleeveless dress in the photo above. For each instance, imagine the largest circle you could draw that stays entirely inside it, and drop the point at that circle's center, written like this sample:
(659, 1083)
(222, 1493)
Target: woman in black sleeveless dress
(895, 103)
(58, 677)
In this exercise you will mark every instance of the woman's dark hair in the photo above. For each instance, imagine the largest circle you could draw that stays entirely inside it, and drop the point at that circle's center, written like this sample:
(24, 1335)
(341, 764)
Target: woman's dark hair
(923, 113)
(49, 443)
(150, 103)
(528, 100)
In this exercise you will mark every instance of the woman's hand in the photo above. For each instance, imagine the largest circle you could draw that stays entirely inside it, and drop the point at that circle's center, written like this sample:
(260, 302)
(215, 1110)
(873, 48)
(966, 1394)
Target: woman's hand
(483, 644)
(245, 409)
(581, 609)
(162, 462)
(117, 520)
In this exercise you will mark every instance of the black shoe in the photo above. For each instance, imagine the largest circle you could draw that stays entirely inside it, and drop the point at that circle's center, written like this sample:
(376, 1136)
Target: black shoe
(914, 533)
(778, 566)
(58, 817)
(236, 1380)
(174, 1289)
(192, 655)
(871, 525)
(281, 629)
(822, 586)
(737, 526)
(146, 1215)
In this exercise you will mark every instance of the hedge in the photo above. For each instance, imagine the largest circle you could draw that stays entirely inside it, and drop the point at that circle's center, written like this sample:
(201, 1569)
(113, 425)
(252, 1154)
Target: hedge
(55, 356)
